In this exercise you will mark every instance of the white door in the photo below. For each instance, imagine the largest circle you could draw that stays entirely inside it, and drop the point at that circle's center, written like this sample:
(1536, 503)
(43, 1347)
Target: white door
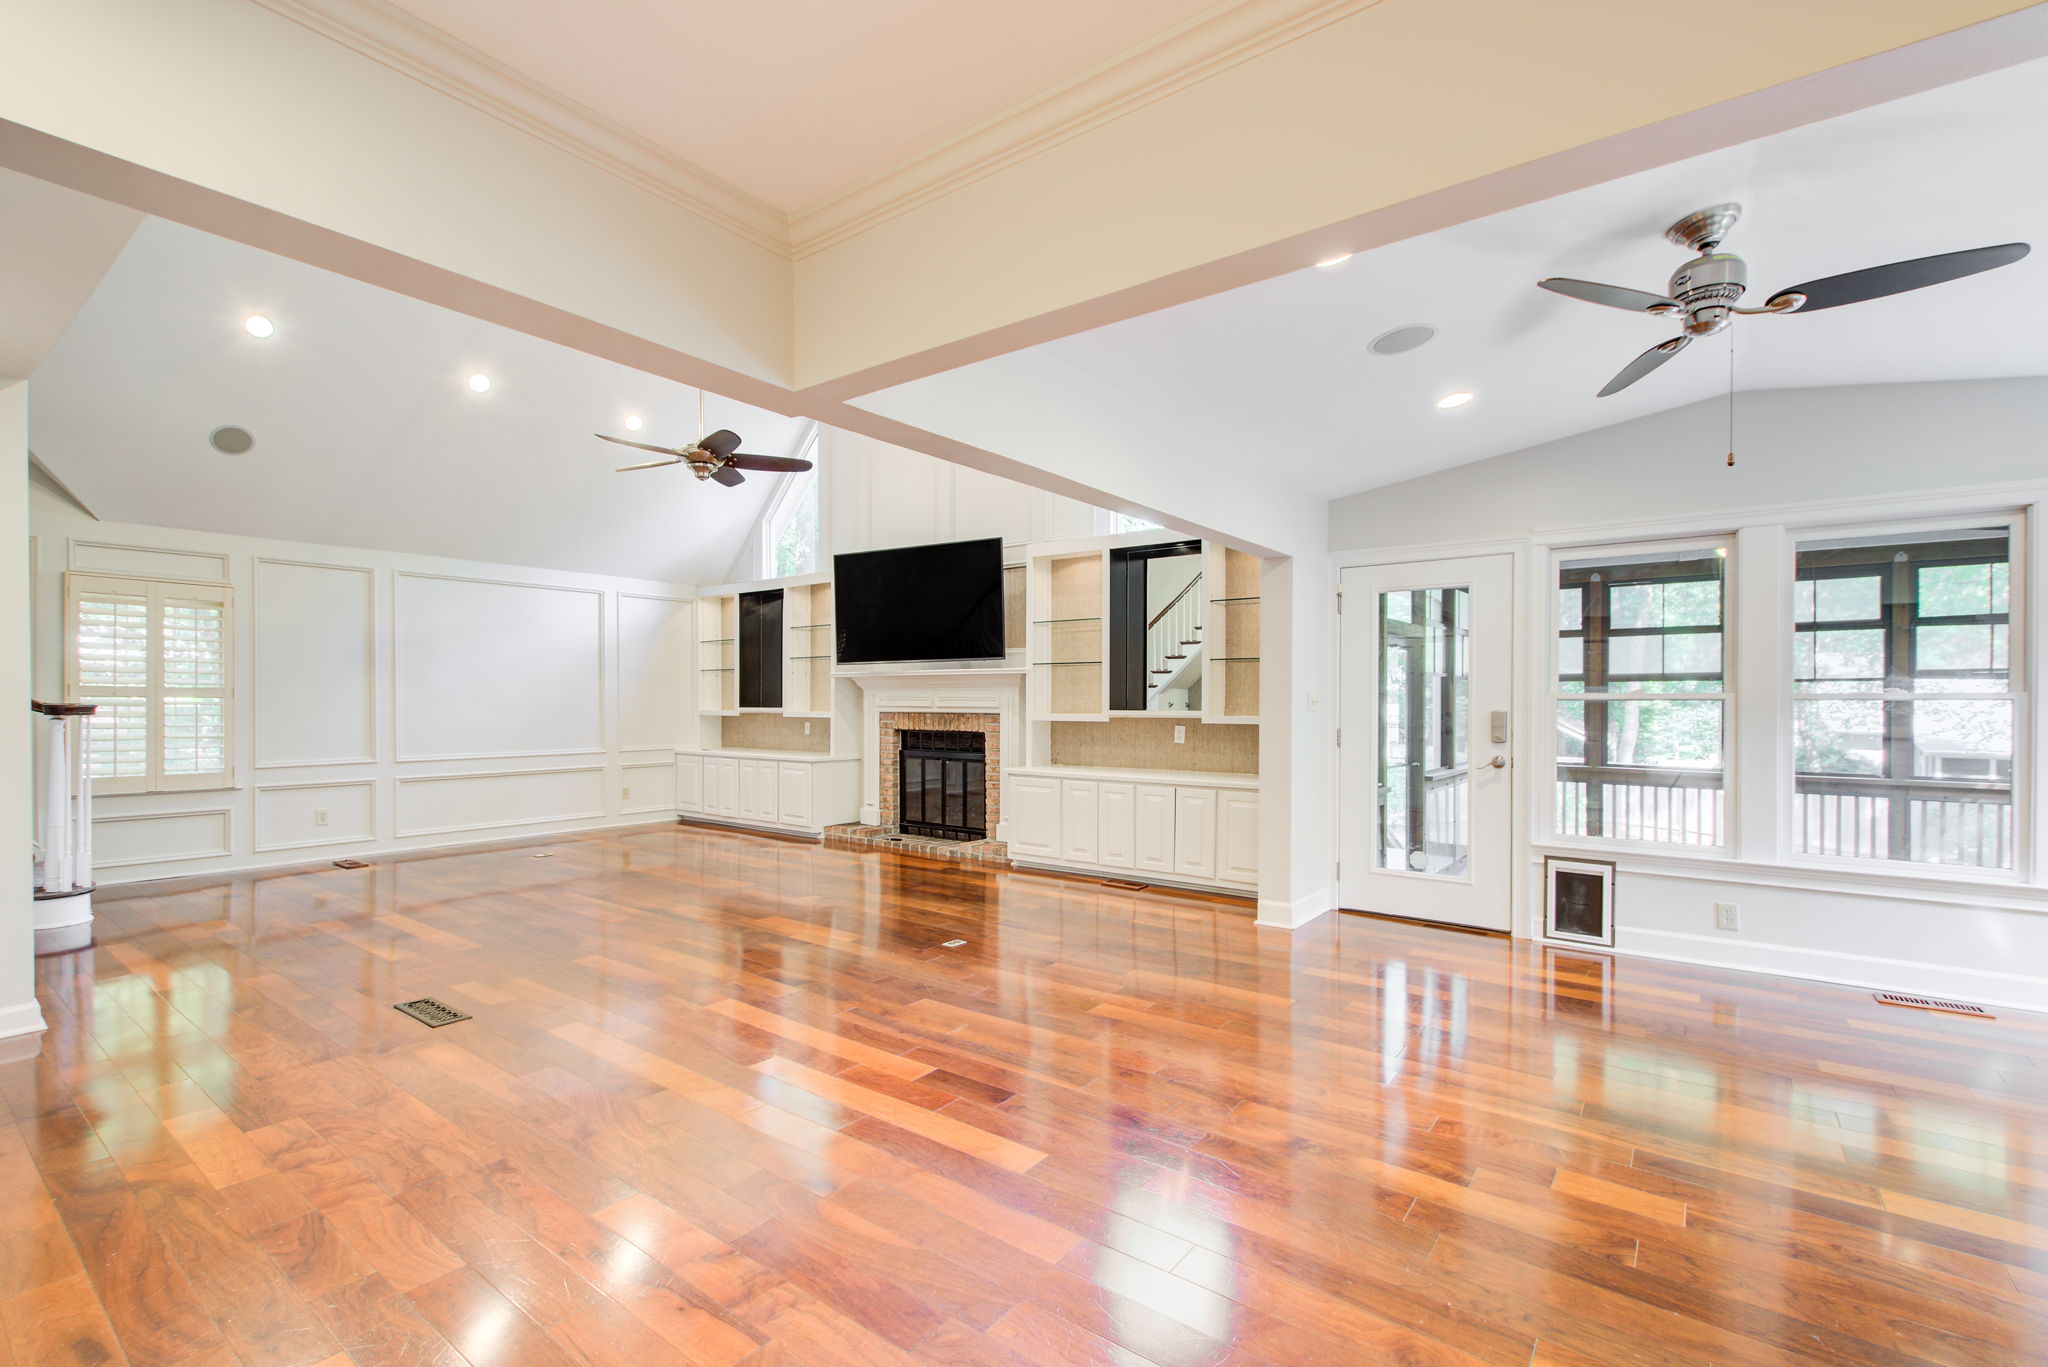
(1237, 838)
(793, 806)
(1078, 825)
(1153, 839)
(1194, 833)
(1116, 824)
(722, 787)
(1031, 816)
(689, 783)
(1424, 787)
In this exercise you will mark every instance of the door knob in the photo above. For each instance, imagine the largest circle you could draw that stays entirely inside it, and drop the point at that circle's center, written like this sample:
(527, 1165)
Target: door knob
(1497, 762)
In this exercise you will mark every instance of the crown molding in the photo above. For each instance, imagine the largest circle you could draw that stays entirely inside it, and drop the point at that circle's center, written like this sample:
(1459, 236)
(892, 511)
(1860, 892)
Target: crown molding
(391, 37)
(1233, 32)
(1210, 43)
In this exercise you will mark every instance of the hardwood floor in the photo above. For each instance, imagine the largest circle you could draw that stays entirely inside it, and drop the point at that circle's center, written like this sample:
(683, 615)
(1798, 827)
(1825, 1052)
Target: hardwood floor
(729, 1100)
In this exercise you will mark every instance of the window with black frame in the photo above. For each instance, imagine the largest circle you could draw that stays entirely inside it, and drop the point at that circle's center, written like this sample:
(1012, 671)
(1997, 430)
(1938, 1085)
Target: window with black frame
(1903, 699)
(1641, 696)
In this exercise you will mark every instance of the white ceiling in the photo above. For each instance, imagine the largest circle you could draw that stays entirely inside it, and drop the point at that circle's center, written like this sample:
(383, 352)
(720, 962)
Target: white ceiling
(794, 100)
(366, 431)
(1282, 368)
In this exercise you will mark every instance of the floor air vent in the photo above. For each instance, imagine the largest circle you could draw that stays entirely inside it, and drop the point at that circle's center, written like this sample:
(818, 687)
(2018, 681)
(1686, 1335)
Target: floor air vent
(1932, 1004)
(430, 1012)
(1124, 885)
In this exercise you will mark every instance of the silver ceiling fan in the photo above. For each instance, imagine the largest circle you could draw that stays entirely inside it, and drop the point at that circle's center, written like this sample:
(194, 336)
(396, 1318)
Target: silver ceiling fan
(714, 457)
(1706, 289)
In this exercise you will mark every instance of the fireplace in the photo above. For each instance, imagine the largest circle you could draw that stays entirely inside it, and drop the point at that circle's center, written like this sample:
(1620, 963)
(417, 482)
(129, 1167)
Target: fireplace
(942, 784)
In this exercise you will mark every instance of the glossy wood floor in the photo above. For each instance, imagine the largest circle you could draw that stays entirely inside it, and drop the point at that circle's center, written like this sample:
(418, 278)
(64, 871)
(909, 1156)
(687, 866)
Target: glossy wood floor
(728, 1100)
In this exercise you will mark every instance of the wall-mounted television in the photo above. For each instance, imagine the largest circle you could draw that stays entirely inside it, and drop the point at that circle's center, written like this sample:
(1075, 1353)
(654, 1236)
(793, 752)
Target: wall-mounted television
(940, 602)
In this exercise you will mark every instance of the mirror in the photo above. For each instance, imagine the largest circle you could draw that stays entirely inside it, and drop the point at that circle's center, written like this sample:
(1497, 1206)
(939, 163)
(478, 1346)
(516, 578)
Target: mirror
(1158, 611)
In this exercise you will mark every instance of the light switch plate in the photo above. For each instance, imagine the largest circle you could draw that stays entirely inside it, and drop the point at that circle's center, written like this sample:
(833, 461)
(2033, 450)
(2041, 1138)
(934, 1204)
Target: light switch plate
(1180, 735)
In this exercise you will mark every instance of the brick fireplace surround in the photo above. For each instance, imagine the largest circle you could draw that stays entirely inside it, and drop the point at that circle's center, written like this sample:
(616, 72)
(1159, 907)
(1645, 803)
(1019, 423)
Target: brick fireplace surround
(894, 724)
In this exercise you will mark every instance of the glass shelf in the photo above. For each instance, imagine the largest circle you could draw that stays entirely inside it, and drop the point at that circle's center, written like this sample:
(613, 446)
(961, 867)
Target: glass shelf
(1056, 621)
(1238, 659)
(1060, 664)
(1252, 598)
(810, 657)
(811, 626)
(714, 640)
(709, 669)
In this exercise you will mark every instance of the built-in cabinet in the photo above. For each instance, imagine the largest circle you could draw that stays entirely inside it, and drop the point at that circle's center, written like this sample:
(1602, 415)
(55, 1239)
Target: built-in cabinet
(1197, 829)
(801, 793)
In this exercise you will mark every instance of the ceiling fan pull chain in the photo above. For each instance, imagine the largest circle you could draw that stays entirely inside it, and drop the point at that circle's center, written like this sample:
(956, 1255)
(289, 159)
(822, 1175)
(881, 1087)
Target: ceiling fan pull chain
(1731, 398)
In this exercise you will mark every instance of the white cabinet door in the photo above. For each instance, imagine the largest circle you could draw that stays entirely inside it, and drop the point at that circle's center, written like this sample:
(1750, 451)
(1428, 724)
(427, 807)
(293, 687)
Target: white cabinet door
(722, 787)
(1194, 833)
(689, 783)
(1116, 825)
(1237, 839)
(1078, 823)
(793, 801)
(1152, 840)
(1031, 816)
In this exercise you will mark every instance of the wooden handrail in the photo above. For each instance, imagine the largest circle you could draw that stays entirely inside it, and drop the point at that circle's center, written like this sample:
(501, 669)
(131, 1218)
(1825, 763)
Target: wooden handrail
(1172, 602)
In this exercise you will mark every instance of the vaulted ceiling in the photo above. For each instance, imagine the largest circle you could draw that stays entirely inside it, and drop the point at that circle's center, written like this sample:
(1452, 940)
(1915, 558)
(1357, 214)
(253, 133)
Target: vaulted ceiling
(366, 430)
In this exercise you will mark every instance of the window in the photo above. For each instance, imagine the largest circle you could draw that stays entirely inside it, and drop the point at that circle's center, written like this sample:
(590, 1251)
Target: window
(155, 656)
(1640, 695)
(1130, 522)
(1903, 704)
(789, 539)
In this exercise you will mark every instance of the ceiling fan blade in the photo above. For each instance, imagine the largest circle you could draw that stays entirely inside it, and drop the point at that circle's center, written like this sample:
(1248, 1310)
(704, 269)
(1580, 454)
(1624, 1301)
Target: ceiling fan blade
(651, 465)
(723, 442)
(725, 474)
(1900, 276)
(1614, 296)
(747, 462)
(1644, 364)
(642, 446)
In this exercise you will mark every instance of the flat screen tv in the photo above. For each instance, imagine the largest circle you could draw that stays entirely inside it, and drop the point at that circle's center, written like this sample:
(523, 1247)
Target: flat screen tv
(920, 603)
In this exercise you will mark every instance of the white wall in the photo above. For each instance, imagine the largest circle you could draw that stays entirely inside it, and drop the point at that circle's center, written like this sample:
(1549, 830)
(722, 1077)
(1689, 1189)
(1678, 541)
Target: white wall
(1879, 453)
(415, 700)
(18, 1011)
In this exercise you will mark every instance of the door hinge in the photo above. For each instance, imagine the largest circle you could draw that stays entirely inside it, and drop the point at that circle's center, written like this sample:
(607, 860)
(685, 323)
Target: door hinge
(1340, 602)
(1340, 738)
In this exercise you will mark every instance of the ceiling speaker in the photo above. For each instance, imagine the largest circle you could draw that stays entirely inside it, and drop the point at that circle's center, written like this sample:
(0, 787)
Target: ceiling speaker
(231, 441)
(1401, 339)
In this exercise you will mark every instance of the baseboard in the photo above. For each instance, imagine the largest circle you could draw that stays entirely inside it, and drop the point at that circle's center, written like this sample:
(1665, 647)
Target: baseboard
(25, 1018)
(1280, 915)
(1984, 986)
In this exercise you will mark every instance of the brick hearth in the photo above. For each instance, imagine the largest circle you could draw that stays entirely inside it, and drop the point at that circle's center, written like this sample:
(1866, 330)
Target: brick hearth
(894, 724)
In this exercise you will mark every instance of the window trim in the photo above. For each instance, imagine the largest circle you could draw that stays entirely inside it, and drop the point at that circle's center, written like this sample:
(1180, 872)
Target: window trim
(2019, 648)
(155, 592)
(779, 506)
(1548, 835)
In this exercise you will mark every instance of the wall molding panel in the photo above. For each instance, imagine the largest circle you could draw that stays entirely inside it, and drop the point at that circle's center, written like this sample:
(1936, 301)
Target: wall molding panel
(327, 682)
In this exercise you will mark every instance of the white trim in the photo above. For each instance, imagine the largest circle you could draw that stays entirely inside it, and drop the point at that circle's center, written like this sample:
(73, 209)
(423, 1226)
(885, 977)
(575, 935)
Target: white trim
(1278, 915)
(227, 843)
(258, 846)
(371, 627)
(668, 807)
(77, 564)
(23, 1018)
(1834, 966)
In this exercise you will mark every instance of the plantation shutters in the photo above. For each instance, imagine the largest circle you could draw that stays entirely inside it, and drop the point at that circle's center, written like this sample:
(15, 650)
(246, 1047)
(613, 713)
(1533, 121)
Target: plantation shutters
(156, 656)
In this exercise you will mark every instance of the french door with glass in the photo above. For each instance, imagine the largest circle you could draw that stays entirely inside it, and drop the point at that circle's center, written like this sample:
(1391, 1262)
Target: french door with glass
(1424, 761)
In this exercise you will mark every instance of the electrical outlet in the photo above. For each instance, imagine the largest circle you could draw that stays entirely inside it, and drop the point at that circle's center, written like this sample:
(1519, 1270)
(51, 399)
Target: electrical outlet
(319, 816)
(1725, 916)
(807, 728)
(626, 793)
(1180, 735)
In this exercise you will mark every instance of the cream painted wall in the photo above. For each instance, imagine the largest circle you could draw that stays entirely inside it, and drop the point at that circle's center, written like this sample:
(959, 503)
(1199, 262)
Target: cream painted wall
(1818, 457)
(19, 1013)
(416, 701)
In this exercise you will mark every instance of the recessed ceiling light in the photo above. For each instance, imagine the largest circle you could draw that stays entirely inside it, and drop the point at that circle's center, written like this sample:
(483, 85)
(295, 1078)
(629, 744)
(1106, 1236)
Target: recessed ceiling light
(633, 424)
(256, 325)
(1329, 261)
(1401, 339)
(1457, 400)
(479, 383)
(231, 441)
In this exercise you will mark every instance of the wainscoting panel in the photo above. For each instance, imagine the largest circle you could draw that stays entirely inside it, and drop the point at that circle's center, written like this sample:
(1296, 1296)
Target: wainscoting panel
(288, 814)
(654, 671)
(493, 669)
(315, 665)
(159, 837)
(474, 802)
(648, 787)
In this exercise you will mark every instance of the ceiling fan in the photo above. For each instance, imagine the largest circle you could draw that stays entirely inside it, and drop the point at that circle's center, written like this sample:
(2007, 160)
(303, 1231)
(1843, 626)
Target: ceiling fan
(1706, 289)
(716, 457)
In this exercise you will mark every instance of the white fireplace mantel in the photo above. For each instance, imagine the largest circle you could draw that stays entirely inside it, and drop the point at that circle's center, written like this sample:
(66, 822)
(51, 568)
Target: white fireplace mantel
(999, 692)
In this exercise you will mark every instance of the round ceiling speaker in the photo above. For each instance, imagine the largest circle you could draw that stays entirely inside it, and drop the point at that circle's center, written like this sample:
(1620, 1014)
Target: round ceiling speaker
(231, 441)
(1401, 339)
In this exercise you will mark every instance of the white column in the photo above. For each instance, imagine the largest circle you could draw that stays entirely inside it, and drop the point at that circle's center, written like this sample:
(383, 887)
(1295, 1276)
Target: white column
(1297, 618)
(1760, 717)
(18, 1011)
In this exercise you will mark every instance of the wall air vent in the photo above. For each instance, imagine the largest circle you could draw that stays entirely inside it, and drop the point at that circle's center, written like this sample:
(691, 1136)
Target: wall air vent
(1932, 1004)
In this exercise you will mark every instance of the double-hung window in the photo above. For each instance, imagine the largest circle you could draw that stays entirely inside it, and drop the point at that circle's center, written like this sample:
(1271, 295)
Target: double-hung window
(155, 655)
(1641, 695)
(1904, 702)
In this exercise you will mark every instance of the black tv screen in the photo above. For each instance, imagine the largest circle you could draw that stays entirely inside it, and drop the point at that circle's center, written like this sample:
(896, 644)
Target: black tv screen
(920, 603)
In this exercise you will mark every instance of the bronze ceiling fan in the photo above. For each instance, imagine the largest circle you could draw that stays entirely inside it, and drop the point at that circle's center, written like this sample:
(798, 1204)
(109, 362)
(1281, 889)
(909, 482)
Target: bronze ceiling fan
(716, 457)
(1705, 291)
